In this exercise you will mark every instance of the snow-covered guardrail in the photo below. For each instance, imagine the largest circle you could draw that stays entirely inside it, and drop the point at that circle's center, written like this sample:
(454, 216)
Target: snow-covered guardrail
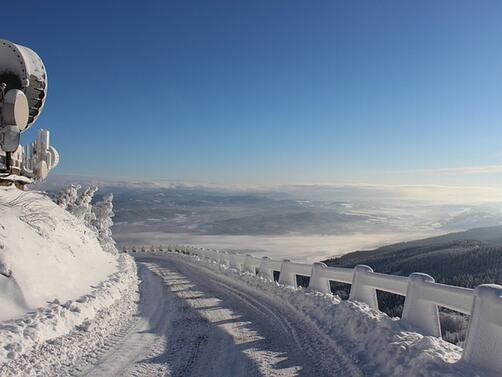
(423, 296)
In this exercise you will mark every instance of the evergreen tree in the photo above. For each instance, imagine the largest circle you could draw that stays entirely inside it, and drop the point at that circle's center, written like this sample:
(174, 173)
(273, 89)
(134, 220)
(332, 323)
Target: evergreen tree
(102, 222)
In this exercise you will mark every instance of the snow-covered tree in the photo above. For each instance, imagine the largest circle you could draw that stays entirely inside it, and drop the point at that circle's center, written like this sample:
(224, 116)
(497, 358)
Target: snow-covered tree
(83, 207)
(78, 203)
(97, 217)
(67, 198)
(103, 213)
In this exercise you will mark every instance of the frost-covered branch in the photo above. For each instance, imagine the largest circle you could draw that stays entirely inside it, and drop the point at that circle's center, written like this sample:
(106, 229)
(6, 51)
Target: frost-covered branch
(97, 217)
(102, 222)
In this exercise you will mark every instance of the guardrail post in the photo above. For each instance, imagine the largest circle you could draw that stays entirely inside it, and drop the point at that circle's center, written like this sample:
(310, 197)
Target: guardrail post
(265, 270)
(286, 276)
(233, 263)
(247, 265)
(360, 291)
(483, 346)
(417, 312)
(317, 282)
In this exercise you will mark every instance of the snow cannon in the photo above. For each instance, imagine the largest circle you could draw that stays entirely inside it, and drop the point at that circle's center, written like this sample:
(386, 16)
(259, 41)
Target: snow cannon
(23, 90)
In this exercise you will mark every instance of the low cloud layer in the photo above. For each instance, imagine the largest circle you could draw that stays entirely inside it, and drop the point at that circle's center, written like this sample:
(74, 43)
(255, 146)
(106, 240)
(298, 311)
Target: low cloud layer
(438, 194)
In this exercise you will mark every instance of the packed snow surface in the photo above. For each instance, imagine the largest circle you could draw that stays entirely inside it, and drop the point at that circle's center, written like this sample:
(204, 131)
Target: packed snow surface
(60, 339)
(193, 323)
(45, 254)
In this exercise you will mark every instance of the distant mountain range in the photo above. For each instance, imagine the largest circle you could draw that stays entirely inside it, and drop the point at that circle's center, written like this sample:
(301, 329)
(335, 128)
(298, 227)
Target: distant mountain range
(202, 211)
(198, 209)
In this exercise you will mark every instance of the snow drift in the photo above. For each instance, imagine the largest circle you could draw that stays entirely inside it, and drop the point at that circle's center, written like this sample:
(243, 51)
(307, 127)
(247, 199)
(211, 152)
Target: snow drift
(45, 254)
(63, 336)
(64, 289)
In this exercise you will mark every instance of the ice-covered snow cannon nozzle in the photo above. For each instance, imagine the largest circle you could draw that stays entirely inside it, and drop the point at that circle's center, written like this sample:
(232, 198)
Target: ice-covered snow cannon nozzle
(23, 90)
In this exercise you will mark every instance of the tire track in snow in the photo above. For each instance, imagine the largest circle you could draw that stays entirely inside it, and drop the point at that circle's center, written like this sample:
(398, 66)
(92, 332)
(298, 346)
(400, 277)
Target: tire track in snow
(302, 338)
(195, 322)
(302, 330)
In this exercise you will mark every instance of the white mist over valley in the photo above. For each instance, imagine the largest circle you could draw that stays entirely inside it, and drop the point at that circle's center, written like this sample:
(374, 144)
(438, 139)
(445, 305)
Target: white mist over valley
(307, 222)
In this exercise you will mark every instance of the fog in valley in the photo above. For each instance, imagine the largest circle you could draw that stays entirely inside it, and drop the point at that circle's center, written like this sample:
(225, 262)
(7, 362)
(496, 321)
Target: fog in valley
(307, 222)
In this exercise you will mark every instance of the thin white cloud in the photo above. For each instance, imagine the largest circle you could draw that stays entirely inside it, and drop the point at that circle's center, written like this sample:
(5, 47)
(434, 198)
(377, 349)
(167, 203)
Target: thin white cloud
(465, 170)
(439, 194)
(444, 194)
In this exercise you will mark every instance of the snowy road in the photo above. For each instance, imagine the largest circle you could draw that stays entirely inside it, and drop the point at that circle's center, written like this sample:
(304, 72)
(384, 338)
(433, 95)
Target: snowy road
(194, 322)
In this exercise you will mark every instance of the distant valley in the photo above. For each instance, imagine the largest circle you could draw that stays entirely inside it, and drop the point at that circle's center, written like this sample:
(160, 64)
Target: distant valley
(308, 224)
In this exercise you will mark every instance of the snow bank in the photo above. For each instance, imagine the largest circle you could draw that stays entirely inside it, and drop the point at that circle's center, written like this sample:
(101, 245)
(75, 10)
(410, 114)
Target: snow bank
(380, 345)
(63, 337)
(45, 254)
(62, 297)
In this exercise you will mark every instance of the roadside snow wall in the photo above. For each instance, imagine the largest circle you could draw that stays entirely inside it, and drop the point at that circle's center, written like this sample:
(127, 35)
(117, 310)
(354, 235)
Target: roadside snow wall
(45, 254)
(61, 295)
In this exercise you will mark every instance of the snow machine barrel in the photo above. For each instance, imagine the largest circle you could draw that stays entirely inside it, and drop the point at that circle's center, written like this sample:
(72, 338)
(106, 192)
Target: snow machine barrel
(22, 71)
(23, 89)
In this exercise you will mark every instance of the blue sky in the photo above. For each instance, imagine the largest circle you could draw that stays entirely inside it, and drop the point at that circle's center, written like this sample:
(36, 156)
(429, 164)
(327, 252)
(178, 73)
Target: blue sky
(393, 92)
